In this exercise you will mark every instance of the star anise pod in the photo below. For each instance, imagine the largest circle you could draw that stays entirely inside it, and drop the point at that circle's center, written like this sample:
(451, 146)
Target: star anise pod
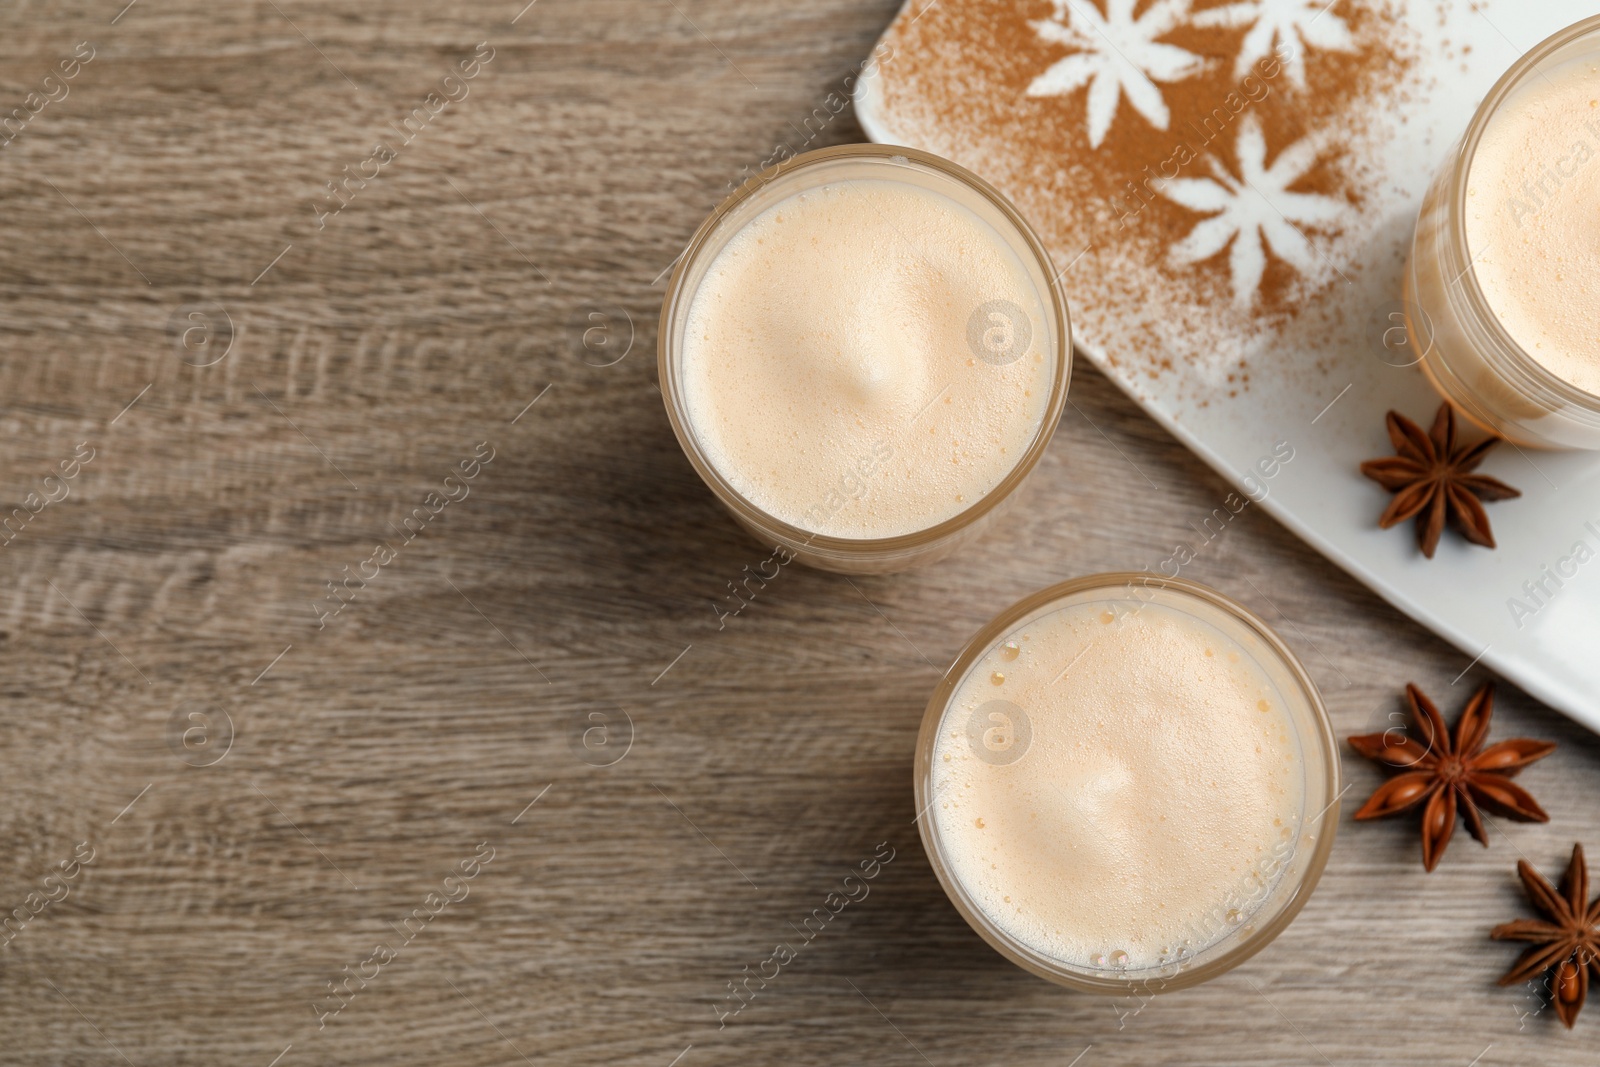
(1432, 479)
(1569, 941)
(1451, 775)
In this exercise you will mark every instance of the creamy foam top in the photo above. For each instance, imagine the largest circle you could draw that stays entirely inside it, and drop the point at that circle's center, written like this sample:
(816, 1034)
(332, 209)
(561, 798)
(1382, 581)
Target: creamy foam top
(827, 369)
(1158, 794)
(1533, 219)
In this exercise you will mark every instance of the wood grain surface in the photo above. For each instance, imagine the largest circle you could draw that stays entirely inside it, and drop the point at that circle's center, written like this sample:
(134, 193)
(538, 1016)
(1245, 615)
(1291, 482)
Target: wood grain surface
(271, 791)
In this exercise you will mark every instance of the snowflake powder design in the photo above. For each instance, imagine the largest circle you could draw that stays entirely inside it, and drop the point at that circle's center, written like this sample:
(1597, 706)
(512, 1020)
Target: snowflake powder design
(1254, 208)
(1281, 20)
(1116, 54)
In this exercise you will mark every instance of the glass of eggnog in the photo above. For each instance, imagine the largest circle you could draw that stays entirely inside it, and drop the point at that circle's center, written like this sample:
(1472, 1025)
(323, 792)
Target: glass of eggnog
(1127, 784)
(1502, 293)
(864, 352)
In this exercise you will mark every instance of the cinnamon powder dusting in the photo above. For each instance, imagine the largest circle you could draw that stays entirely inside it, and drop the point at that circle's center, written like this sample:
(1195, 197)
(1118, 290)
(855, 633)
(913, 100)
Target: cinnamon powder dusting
(1195, 166)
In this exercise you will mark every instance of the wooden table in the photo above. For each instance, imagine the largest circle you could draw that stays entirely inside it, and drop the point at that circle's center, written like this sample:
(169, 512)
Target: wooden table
(271, 790)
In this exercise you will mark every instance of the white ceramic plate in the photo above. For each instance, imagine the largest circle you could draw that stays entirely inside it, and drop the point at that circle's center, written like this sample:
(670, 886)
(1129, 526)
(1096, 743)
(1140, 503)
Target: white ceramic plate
(1321, 381)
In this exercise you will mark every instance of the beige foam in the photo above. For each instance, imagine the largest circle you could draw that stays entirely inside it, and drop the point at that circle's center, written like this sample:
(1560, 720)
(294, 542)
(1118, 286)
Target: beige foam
(826, 365)
(1533, 219)
(1161, 776)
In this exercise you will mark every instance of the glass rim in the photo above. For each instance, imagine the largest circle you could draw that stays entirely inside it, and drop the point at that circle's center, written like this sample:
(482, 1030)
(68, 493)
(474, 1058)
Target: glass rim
(1520, 362)
(1054, 301)
(1324, 823)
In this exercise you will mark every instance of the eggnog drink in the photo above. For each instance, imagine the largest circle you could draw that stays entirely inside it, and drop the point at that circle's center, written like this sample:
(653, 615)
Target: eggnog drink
(1125, 779)
(864, 353)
